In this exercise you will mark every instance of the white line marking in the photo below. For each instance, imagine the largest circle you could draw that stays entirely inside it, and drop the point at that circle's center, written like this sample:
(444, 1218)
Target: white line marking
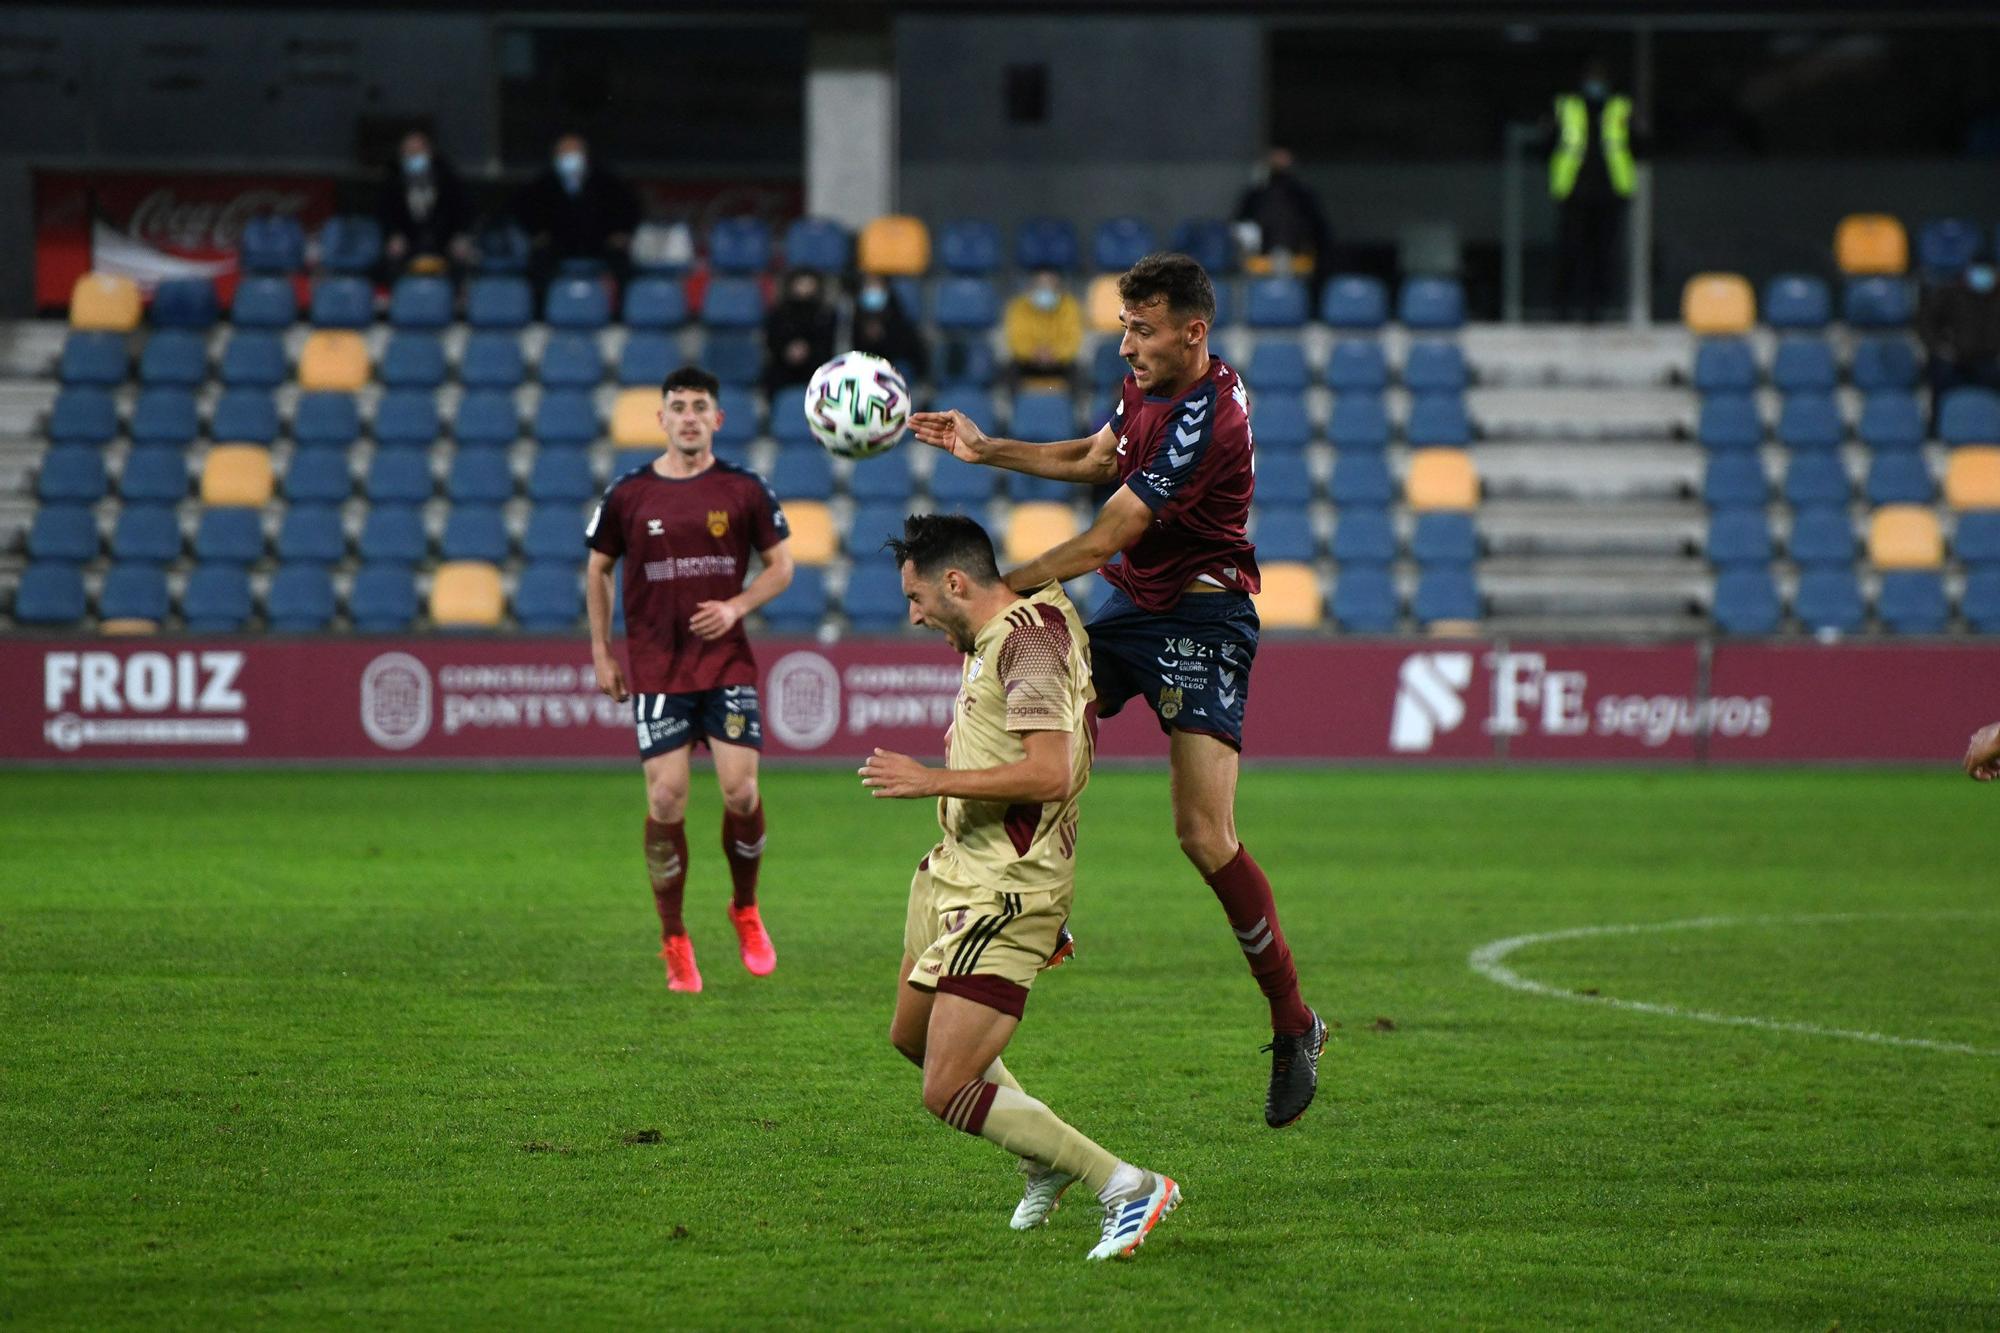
(1486, 961)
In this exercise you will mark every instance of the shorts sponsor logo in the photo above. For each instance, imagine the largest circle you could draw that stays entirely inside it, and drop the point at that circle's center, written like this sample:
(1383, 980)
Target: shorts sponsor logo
(396, 701)
(732, 726)
(802, 700)
(143, 698)
(1170, 703)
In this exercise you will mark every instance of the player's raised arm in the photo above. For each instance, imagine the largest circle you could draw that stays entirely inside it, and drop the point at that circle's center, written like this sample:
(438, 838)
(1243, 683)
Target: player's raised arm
(1123, 520)
(1091, 460)
(1982, 755)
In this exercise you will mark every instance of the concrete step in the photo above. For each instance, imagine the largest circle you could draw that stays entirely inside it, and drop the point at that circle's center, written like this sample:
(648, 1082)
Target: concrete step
(1593, 528)
(1583, 414)
(1530, 471)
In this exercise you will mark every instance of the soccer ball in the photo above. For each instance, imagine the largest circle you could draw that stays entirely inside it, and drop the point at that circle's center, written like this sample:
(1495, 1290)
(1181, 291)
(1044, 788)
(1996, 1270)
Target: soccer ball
(857, 405)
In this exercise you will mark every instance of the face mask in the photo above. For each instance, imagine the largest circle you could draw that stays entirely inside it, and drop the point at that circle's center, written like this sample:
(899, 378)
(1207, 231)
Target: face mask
(416, 164)
(874, 299)
(1980, 278)
(1045, 299)
(569, 166)
(1595, 89)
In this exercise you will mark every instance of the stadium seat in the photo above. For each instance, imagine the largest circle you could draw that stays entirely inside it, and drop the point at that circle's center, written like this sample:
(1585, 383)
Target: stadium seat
(479, 475)
(873, 523)
(1804, 364)
(560, 475)
(1045, 243)
(1445, 593)
(1435, 365)
(1021, 487)
(83, 416)
(1718, 303)
(1734, 479)
(1279, 420)
(1119, 243)
(1107, 371)
(1797, 301)
(174, 358)
(399, 476)
(1905, 536)
(1283, 480)
(1871, 243)
(164, 417)
(1725, 365)
(63, 532)
(646, 358)
(155, 476)
(254, 358)
(818, 243)
(970, 247)
(318, 477)
(310, 534)
(1884, 361)
(886, 479)
(230, 536)
(742, 417)
(554, 532)
(1729, 421)
(184, 303)
(1445, 538)
(1439, 419)
(1441, 479)
(1945, 246)
(245, 416)
(334, 361)
(733, 303)
(1431, 303)
(264, 303)
(1279, 363)
(1891, 420)
(217, 599)
(107, 302)
(571, 361)
(272, 243)
(1102, 304)
(1364, 536)
(1980, 604)
(1821, 536)
(1972, 477)
(342, 303)
(50, 595)
(802, 472)
(474, 532)
(94, 359)
(1899, 478)
(1746, 601)
(236, 474)
(1738, 537)
(300, 600)
(734, 356)
(582, 304)
(499, 302)
(393, 534)
(548, 599)
(133, 592)
(1365, 601)
(1354, 302)
(326, 421)
(1209, 242)
(146, 534)
(954, 484)
(1877, 303)
(420, 302)
(1361, 478)
(1284, 532)
(1816, 479)
(895, 246)
(966, 304)
(492, 360)
(1913, 602)
(1290, 596)
(874, 597)
(655, 303)
(635, 419)
(565, 419)
(1970, 416)
(814, 540)
(788, 416)
(1810, 421)
(1043, 416)
(631, 460)
(383, 599)
(739, 245)
(1035, 528)
(1359, 421)
(1276, 303)
(407, 419)
(802, 605)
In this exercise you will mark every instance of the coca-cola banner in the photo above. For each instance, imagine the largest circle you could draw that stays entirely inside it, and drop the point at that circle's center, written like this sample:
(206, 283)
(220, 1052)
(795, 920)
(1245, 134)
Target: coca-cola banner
(536, 699)
(151, 226)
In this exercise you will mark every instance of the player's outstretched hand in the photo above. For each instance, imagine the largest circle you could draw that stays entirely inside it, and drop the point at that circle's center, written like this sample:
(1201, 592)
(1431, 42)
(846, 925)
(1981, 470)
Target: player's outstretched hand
(886, 773)
(1982, 756)
(954, 432)
(611, 679)
(712, 620)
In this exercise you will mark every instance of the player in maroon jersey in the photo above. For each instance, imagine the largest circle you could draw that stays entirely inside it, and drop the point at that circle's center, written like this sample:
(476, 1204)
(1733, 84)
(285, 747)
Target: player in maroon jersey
(685, 526)
(1179, 629)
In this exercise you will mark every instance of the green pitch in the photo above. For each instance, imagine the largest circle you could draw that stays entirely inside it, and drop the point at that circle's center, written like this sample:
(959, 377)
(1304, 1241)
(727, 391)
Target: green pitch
(393, 1049)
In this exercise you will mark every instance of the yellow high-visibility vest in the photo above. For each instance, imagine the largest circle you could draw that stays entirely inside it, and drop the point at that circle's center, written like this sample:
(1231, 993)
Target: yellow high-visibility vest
(1615, 131)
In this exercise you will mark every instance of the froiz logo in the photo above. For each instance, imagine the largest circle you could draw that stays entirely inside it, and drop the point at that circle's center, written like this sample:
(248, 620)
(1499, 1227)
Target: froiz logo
(1429, 699)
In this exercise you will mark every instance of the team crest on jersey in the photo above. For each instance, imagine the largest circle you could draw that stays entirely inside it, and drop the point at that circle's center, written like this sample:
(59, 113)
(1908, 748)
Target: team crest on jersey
(654, 529)
(1170, 704)
(718, 522)
(732, 726)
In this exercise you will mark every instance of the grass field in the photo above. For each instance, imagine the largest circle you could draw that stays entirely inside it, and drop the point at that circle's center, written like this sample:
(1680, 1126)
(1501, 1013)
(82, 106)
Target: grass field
(391, 1049)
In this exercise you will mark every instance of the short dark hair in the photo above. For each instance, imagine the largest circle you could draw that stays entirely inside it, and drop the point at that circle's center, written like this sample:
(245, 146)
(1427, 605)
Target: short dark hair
(1177, 278)
(937, 542)
(693, 377)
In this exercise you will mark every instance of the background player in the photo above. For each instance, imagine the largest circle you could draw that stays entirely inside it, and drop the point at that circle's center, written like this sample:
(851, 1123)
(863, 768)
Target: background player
(686, 524)
(987, 904)
(1179, 628)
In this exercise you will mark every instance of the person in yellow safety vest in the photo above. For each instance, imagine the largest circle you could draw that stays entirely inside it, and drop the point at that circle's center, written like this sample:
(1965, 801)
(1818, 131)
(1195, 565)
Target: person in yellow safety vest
(1591, 171)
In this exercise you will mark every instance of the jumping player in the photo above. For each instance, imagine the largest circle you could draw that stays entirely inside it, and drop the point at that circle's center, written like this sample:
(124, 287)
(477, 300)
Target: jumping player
(987, 905)
(686, 525)
(1179, 629)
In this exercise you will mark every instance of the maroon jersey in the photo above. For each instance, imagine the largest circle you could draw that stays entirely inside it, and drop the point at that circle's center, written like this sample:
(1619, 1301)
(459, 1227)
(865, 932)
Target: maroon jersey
(1188, 458)
(685, 541)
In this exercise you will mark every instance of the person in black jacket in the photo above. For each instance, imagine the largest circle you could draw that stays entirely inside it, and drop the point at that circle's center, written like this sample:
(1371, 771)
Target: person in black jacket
(577, 209)
(425, 212)
(798, 331)
(1284, 218)
(883, 328)
(1959, 324)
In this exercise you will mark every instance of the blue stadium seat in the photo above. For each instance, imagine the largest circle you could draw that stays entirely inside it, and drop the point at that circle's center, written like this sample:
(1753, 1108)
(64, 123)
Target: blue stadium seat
(1797, 301)
(499, 302)
(184, 303)
(1884, 361)
(1981, 603)
(969, 246)
(146, 534)
(733, 303)
(486, 418)
(94, 358)
(1891, 419)
(174, 358)
(318, 476)
(154, 476)
(165, 417)
(1108, 369)
(1439, 419)
(802, 472)
(1283, 481)
(399, 477)
(1359, 421)
(1361, 478)
(549, 598)
(1435, 365)
(343, 302)
(311, 535)
(801, 606)
(578, 304)
(1445, 539)
(83, 416)
(1746, 602)
(872, 524)
(244, 416)
(350, 243)
(1226, 303)
(874, 598)
(571, 361)
(1729, 421)
(420, 301)
(1829, 599)
(326, 421)
(1822, 535)
(492, 360)
(966, 304)
(1043, 416)
(1445, 592)
(393, 534)
(631, 460)
(474, 532)
(1735, 479)
(1279, 420)
(133, 592)
(1357, 364)
(818, 243)
(967, 360)
(1970, 416)
(655, 303)
(1276, 303)
(217, 599)
(63, 532)
(1725, 365)
(1364, 536)
(788, 416)
(503, 249)
(1976, 539)
(1279, 363)
(1877, 303)
(742, 417)
(383, 599)
(1021, 488)
(479, 476)
(736, 357)
(1209, 242)
(50, 595)
(1351, 301)
(272, 243)
(1045, 243)
(1120, 243)
(1900, 478)
(565, 419)
(554, 532)
(300, 600)
(407, 419)
(887, 478)
(647, 357)
(1804, 364)
(975, 403)
(255, 359)
(561, 475)
(1816, 479)
(1431, 303)
(1945, 246)
(1284, 532)
(954, 483)
(739, 245)
(231, 536)
(1738, 537)
(1365, 601)
(1810, 421)
(264, 303)
(1912, 601)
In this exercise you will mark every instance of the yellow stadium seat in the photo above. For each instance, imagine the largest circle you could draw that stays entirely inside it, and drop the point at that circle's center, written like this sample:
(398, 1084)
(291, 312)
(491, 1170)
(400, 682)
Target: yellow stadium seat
(1905, 537)
(1101, 304)
(1972, 477)
(635, 419)
(1441, 479)
(813, 539)
(1871, 243)
(1036, 526)
(236, 474)
(1290, 597)
(335, 360)
(895, 246)
(466, 594)
(124, 626)
(104, 301)
(1714, 303)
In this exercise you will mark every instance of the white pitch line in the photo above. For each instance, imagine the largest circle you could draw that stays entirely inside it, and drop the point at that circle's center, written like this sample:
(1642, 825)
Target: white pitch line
(1486, 960)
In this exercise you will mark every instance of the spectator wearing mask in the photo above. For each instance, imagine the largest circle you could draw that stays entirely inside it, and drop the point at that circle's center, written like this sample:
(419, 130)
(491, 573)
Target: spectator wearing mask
(1279, 221)
(883, 328)
(1043, 329)
(1959, 323)
(577, 209)
(798, 331)
(1591, 143)
(425, 212)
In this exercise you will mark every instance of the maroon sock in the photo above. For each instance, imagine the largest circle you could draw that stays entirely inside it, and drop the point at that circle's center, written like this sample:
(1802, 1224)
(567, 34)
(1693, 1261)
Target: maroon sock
(666, 866)
(1246, 899)
(743, 845)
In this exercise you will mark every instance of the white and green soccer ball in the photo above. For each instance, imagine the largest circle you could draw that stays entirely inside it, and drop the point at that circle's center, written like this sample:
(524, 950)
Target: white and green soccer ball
(857, 405)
